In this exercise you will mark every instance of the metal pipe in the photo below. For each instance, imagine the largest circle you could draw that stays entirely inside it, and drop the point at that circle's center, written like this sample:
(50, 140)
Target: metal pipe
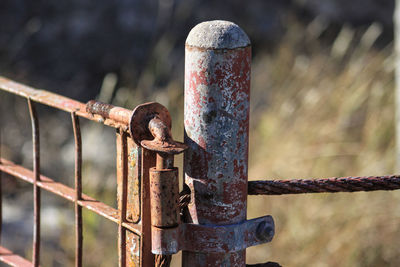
(109, 111)
(164, 195)
(216, 118)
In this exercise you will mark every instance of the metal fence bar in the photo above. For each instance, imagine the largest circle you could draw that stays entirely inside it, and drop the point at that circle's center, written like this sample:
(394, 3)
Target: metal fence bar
(216, 117)
(78, 189)
(36, 189)
(122, 198)
(12, 259)
(60, 102)
(148, 161)
(67, 193)
(1, 195)
(128, 190)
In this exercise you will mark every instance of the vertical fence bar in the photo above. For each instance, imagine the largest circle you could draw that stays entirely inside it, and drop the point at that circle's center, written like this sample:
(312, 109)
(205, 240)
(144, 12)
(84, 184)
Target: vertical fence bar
(122, 177)
(78, 189)
(1, 194)
(216, 118)
(148, 161)
(129, 179)
(36, 189)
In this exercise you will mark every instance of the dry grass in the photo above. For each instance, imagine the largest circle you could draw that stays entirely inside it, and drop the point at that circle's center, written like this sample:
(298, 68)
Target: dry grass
(326, 112)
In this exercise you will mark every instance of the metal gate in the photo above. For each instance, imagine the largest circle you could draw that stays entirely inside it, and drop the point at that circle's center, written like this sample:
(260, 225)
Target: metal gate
(207, 220)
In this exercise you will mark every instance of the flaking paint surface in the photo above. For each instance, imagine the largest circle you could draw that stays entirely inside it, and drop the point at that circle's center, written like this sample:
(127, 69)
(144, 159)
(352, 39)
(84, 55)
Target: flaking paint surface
(217, 85)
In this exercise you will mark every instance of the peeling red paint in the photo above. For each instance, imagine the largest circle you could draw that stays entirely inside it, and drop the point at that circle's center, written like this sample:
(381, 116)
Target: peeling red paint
(217, 87)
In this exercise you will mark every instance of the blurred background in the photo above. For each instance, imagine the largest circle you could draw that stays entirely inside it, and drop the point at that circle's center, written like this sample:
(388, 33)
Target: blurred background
(322, 105)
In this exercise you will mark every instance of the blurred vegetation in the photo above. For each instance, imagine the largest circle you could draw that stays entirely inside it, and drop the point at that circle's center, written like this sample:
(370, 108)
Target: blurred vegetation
(322, 105)
(329, 112)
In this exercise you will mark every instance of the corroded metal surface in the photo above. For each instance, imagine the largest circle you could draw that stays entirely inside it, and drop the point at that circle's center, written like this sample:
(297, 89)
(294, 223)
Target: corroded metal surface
(151, 128)
(165, 215)
(108, 111)
(148, 161)
(220, 239)
(36, 179)
(216, 117)
(162, 141)
(122, 179)
(133, 177)
(142, 114)
(133, 249)
(56, 101)
(66, 192)
(133, 180)
(78, 190)
(164, 195)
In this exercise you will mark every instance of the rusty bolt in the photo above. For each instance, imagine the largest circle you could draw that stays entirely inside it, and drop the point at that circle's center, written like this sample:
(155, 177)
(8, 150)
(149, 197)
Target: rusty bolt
(264, 231)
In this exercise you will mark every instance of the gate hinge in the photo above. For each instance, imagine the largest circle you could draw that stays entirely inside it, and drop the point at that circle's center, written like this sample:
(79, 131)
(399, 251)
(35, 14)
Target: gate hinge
(213, 238)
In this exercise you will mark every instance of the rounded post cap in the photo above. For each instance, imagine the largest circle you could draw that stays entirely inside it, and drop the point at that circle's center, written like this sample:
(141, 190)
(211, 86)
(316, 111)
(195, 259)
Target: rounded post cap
(217, 34)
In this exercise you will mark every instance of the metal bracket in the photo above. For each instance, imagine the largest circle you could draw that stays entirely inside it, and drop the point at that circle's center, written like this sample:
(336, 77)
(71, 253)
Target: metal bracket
(213, 238)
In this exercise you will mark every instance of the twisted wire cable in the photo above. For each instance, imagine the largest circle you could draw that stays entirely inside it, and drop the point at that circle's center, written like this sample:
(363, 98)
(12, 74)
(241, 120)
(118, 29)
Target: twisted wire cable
(328, 185)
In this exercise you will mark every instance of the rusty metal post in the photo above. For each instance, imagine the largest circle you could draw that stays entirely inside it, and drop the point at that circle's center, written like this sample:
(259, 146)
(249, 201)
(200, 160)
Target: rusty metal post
(216, 117)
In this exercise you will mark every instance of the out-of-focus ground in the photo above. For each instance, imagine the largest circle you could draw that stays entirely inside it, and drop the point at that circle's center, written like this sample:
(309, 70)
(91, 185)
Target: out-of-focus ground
(322, 105)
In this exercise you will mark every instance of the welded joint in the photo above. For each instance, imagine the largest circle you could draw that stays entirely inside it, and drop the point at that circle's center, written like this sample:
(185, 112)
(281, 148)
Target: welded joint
(213, 238)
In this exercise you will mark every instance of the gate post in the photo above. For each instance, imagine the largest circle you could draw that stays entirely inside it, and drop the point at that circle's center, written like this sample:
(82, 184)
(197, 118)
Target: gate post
(216, 119)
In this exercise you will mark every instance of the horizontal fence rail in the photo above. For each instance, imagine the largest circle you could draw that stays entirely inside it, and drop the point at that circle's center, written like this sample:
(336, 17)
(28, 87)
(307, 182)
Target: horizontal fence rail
(65, 192)
(64, 103)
